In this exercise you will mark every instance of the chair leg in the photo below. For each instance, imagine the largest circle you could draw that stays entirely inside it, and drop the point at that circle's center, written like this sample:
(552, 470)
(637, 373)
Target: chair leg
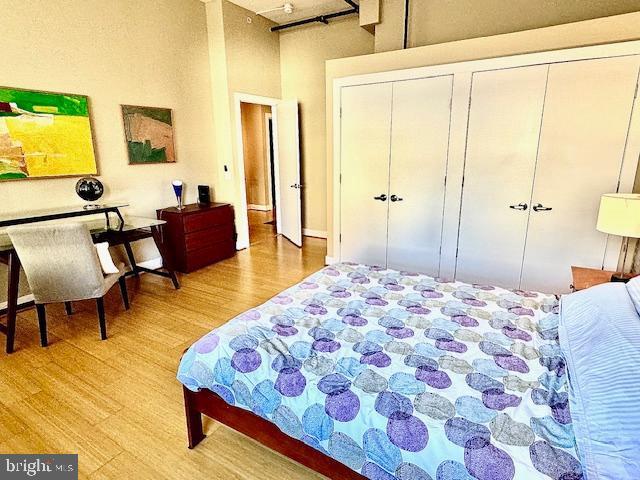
(101, 319)
(123, 292)
(42, 322)
(68, 308)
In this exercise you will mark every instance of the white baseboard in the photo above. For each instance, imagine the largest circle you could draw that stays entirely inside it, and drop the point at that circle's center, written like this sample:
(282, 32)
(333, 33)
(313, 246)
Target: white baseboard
(330, 260)
(307, 232)
(151, 264)
(21, 300)
(262, 208)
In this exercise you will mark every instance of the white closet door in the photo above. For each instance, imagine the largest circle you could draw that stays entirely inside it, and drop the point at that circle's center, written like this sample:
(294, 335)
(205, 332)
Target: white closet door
(584, 131)
(364, 163)
(419, 143)
(502, 138)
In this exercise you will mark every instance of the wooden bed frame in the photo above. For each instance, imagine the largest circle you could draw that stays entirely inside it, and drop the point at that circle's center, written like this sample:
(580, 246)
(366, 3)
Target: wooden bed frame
(208, 403)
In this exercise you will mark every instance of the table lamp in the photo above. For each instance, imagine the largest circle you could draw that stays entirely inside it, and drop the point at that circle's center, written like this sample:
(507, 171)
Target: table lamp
(619, 214)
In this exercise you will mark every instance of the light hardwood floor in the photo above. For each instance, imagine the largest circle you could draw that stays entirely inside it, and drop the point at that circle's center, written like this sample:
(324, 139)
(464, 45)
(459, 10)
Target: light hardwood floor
(259, 229)
(117, 402)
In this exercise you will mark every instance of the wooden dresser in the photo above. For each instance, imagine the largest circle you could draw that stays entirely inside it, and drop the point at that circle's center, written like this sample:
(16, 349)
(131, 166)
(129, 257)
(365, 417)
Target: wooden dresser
(197, 236)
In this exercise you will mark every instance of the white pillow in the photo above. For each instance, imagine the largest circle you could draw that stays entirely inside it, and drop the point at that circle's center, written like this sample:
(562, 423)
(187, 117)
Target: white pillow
(105, 258)
(600, 336)
(633, 287)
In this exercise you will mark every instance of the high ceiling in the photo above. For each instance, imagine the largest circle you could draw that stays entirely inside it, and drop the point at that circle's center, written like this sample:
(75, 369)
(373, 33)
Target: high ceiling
(301, 8)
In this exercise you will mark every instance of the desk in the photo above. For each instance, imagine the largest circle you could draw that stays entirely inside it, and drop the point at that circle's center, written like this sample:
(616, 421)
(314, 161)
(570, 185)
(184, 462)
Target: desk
(130, 229)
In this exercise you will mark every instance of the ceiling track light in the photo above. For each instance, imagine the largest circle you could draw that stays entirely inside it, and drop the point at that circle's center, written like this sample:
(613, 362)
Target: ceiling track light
(355, 9)
(286, 8)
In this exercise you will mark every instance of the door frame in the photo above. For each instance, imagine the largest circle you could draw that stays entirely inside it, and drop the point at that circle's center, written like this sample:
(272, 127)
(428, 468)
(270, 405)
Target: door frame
(270, 146)
(242, 217)
(463, 74)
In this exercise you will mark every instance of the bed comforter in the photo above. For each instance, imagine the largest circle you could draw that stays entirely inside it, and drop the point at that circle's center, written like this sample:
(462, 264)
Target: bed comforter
(400, 375)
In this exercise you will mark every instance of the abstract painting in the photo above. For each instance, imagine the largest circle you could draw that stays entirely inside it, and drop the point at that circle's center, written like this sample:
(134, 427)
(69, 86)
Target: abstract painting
(44, 134)
(149, 134)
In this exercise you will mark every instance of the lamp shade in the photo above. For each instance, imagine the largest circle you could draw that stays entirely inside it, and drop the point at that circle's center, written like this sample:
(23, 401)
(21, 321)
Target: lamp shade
(620, 214)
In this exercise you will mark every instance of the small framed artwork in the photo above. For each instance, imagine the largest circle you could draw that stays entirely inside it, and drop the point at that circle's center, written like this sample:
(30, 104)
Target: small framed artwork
(149, 134)
(44, 135)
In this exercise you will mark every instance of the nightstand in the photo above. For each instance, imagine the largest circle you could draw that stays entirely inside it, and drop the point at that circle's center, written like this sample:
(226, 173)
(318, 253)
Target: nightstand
(588, 277)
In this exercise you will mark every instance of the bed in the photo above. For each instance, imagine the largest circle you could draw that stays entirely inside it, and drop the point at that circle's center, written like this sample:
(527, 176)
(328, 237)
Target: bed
(362, 372)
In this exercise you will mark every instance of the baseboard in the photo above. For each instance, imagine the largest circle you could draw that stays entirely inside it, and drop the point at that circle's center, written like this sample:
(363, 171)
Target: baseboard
(21, 301)
(262, 208)
(307, 232)
(152, 264)
(330, 260)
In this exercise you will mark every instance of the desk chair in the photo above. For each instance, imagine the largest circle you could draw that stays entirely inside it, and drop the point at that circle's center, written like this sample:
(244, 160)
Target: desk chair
(61, 265)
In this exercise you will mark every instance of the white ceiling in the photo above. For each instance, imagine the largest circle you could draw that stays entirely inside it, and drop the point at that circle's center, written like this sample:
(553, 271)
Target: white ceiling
(301, 8)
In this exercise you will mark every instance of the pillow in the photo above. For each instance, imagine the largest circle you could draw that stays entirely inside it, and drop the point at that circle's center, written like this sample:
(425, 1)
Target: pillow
(599, 333)
(633, 287)
(106, 262)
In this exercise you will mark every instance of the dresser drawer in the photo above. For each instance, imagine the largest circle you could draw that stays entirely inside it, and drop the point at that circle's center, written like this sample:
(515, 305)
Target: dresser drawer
(208, 219)
(206, 256)
(205, 238)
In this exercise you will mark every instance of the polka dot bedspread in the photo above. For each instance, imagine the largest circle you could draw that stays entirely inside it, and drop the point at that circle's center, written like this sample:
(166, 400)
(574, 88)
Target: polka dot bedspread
(401, 376)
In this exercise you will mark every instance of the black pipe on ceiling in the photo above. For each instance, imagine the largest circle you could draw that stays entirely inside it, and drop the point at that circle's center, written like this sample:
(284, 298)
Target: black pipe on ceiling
(353, 4)
(320, 18)
(405, 42)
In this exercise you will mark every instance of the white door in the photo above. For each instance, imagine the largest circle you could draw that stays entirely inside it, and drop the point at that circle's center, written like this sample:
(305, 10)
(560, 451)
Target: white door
(289, 170)
(584, 132)
(364, 166)
(502, 139)
(419, 144)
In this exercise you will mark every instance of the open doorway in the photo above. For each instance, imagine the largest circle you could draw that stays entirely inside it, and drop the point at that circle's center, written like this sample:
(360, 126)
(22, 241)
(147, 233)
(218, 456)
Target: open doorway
(257, 149)
(268, 166)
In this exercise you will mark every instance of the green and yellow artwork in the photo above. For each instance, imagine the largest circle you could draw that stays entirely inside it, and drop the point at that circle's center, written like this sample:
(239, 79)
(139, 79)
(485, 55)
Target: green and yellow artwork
(44, 134)
(149, 134)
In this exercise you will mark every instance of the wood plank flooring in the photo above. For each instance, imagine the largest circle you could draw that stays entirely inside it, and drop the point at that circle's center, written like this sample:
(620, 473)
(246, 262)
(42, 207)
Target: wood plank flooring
(117, 402)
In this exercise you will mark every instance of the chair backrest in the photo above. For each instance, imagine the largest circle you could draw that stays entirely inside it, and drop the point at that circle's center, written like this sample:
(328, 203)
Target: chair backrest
(59, 260)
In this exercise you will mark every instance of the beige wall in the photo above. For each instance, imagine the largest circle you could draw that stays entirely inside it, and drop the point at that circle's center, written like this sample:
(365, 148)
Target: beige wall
(390, 31)
(437, 21)
(303, 53)
(148, 52)
(249, 58)
(256, 154)
(245, 58)
(590, 32)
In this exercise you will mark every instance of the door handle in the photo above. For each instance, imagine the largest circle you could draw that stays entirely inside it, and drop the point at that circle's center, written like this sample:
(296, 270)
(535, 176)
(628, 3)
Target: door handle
(520, 206)
(382, 198)
(538, 207)
(395, 198)
(296, 185)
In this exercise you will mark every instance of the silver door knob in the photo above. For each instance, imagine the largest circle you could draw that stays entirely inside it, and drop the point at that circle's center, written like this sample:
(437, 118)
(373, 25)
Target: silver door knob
(520, 206)
(538, 207)
(395, 198)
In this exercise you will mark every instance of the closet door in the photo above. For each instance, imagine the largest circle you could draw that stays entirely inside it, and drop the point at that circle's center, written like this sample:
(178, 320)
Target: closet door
(364, 163)
(584, 132)
(502, 139)
(419, 144)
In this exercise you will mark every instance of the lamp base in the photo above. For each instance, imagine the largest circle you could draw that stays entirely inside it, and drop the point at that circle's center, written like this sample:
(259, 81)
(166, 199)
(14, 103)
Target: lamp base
(621, 277)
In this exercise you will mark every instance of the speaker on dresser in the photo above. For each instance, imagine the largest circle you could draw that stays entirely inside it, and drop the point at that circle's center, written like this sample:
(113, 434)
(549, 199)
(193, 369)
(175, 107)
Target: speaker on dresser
(204, 195)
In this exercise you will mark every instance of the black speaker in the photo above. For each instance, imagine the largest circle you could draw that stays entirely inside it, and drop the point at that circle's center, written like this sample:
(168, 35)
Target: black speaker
(204, 197)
